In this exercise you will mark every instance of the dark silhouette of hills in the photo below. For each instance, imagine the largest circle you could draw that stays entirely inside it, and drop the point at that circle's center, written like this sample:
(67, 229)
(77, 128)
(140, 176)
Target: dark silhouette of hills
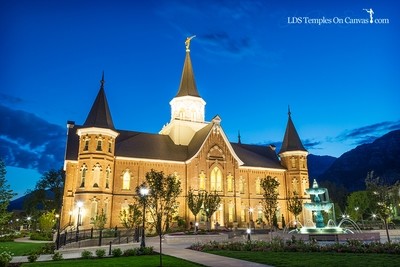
(317, 165)
(381, 156)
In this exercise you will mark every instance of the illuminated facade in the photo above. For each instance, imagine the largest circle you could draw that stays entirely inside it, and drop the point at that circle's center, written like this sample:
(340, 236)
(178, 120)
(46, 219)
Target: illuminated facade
(104, 165)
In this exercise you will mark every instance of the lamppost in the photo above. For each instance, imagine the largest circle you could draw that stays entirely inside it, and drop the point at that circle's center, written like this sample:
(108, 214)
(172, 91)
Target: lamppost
(58, 231)
(29, 222)
(144, 191)
(251, 223)
(196, 227)
(248, 231)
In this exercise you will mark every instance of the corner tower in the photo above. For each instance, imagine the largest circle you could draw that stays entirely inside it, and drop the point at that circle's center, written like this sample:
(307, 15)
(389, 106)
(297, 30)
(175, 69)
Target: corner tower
(294, 159)
(89, 183)
(187, 107)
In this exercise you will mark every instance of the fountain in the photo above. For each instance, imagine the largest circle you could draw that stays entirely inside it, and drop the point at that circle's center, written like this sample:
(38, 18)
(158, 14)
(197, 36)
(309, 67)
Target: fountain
(320, 202)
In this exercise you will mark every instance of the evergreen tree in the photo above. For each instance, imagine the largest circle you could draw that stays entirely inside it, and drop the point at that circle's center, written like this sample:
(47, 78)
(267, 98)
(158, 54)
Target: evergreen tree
(6, 194)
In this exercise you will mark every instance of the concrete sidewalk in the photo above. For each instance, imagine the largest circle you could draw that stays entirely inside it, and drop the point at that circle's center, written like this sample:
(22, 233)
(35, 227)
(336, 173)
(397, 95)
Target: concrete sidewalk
(175, 250)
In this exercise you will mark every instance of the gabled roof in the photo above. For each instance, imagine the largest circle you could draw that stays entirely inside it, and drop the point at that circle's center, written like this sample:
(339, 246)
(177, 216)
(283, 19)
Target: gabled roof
(257, 156)
(147, 146)
(100, 115)
(188, 84)
(291, 141)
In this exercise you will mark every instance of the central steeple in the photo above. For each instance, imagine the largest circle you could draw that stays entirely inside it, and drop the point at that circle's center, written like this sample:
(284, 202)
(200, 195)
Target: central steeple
(187, 107)
(187, 104)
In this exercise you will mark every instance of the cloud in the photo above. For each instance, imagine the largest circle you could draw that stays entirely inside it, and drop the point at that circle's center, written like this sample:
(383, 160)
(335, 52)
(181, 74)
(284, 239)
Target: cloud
(9, 99)
(368, 134)
(27, 141)
(311, 144)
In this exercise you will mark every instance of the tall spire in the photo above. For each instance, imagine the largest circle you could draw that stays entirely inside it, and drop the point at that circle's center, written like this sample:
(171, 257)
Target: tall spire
(291, 141)
(239, 138)
(187, 86)
(100, 115)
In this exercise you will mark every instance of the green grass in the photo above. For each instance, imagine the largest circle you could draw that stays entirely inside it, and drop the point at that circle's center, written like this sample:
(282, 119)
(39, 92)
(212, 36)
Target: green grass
(298, 259)
(20, 248)
(152, 260)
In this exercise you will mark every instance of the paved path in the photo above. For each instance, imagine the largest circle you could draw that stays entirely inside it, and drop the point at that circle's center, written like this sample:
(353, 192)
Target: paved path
(175, 250)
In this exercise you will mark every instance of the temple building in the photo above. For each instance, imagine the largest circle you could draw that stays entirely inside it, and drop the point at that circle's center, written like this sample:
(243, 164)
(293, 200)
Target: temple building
(104, 165)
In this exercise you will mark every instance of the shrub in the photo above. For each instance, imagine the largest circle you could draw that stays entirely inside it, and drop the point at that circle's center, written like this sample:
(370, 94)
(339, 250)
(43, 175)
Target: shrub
(48, 248)
(100, 253)
(86, 254)
(5, 257)
(131, 252)
(41, 236)
(33, 257)
(116, 252)
(57, 256)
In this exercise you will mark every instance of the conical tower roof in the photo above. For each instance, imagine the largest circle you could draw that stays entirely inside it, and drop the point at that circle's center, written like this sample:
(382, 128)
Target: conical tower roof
(188, 84)
(100, 115)
(291, 141)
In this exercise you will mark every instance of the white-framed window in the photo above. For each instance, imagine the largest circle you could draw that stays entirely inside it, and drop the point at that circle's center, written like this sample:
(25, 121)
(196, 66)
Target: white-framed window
(96, 175)
(126, 180)
(216, 179)
(83, 175)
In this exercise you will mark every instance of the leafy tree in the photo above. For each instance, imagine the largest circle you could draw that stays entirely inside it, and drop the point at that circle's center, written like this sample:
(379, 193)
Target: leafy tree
(52, 181)
(270, 198)
(100, 220)
(195, 202)
(132, 217)
(47, 221)
(6, 194)
(211, 204)
(382, 196)
(295, 205)
(161, 200)
(357, 204)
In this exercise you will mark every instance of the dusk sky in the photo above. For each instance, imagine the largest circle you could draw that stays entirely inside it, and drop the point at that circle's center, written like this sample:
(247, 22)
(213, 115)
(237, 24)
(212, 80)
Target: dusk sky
(339, 73)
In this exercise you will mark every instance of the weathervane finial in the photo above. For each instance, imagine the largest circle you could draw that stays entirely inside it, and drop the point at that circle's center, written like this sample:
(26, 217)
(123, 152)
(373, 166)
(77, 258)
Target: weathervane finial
(187, 42)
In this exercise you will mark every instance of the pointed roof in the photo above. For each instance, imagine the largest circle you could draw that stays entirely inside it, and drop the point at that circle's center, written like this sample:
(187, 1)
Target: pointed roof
(99, 115)
(188, 84)
(291, 141)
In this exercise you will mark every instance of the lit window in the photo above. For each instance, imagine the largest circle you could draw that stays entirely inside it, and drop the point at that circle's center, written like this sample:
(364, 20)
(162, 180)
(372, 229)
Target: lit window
(202, 181)
(229, 183)
(216, 179)
(241, 185)
(258, 186)
(83, 175)
(126, 180)
(93, 210)
(96, 175)
(108, 171)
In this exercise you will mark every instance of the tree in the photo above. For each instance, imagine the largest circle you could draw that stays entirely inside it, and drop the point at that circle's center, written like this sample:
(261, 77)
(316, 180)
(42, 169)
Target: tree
(195, 202)
(161, 200)
(295, 205)
(6, 194)
(47, 221)
(357, 204)
(52, 181)
(382, 196)
(211, 204)
(270, 198)
(132, 217)
(100, 220)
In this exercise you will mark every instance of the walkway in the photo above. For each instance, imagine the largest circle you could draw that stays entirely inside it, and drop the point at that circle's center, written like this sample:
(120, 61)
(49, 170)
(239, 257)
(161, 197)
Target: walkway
(175, 250)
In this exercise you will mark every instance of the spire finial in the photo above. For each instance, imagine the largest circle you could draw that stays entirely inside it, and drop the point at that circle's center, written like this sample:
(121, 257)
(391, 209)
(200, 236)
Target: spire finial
(187, 42)
(102, 80)
(239, 140)
(289, 113)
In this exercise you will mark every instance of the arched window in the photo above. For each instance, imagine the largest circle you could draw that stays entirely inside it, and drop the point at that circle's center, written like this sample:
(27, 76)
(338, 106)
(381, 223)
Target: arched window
(202, 181)
(126, 180)
(83, 175)
(229, 183)
(241, 185)
(108, 172)
(93, 210)
(216, 179)
(86, 143)
(96, 175)
(258, 186)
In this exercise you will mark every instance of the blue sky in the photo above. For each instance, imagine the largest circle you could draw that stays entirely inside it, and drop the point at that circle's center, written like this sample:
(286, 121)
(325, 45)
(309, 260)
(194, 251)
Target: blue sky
(250, 60)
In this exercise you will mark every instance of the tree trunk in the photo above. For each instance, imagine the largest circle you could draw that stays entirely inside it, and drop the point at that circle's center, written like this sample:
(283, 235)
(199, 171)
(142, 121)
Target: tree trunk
(160, 251)
(387, 230)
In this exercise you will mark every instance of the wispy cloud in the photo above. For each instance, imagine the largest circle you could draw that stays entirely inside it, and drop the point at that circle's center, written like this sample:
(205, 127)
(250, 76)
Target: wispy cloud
(28, 141)
(367, 134)
(9, 99)
(312, 144)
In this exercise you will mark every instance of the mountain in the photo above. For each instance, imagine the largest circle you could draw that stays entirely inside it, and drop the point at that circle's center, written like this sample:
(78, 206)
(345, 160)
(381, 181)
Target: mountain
(317, 165)
(382, 157)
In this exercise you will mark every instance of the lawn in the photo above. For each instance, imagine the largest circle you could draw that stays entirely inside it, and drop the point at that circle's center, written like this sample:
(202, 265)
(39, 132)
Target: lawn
(153, 260)
(317, 259)
(20, 248)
